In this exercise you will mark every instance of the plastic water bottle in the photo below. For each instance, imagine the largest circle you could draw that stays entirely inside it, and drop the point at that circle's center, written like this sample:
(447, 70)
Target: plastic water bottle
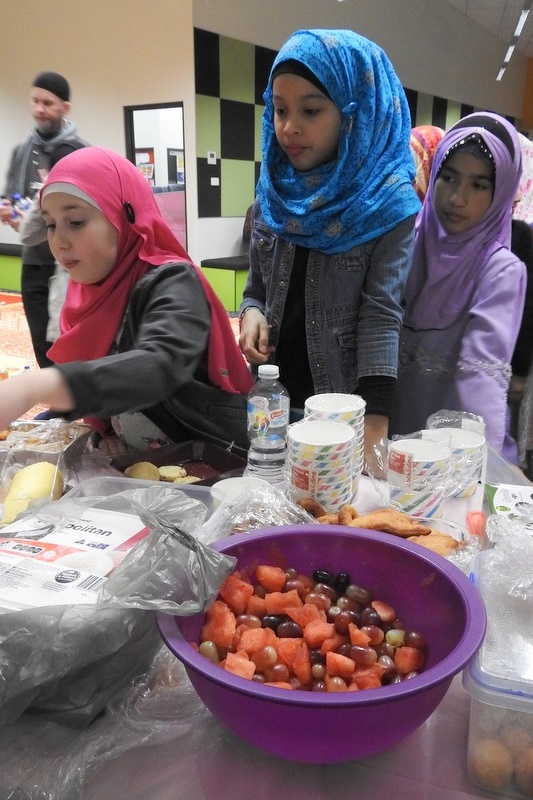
(19, 204)
(268, 419)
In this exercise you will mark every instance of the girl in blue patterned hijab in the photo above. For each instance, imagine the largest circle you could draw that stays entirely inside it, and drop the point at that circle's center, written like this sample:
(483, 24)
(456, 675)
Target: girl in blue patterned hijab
(365, 189)
(332, 224)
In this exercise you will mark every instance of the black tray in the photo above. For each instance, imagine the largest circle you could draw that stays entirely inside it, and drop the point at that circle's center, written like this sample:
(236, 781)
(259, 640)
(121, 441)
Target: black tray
(201, 459)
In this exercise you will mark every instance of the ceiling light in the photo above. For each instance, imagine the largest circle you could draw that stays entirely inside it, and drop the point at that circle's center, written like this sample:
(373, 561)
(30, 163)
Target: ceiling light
(526, 8)
(521, 22)
(509, 53)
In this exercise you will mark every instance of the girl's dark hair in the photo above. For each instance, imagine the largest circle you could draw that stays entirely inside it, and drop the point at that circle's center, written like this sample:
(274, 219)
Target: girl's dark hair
(293, 67)
(491, 124)
(474, 145)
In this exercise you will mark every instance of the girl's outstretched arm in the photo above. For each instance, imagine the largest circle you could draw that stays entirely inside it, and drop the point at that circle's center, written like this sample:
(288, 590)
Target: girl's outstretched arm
(20, 393)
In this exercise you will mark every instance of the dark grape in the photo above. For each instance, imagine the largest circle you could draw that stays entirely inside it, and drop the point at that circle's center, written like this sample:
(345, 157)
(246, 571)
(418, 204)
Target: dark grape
(323, 576)
(341, 582)
(414, 639)
(329, 591)
(357, 593)
(289, 630)
(272, 621)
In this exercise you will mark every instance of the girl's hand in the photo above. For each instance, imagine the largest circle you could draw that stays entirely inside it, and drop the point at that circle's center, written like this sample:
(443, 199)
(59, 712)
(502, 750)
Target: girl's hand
(6, 209)
(112, 446)
(15, 400)
(254, 336)
(20, 393)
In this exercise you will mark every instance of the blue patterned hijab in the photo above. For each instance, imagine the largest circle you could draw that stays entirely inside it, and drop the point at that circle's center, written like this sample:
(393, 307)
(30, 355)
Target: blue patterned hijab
(368, 189)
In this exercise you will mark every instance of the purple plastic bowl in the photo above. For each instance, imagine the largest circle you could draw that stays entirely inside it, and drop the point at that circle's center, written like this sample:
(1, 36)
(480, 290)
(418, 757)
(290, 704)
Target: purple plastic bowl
(428, 593)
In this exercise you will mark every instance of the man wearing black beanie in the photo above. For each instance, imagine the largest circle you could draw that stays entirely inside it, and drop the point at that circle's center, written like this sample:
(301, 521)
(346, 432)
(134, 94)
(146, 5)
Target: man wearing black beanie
(53, 137)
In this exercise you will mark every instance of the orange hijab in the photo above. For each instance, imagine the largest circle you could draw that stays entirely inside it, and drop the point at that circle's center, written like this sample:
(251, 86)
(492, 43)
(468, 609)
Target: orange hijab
(92, 314)
(424, 141)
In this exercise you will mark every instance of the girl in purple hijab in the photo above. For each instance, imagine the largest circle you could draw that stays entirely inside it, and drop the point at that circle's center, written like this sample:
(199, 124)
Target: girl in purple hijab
(465, 292)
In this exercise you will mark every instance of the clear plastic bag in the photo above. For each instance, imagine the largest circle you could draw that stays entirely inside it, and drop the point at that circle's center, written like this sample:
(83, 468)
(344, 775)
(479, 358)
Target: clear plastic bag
(446, 418)
(511, 556)
(158, 707)
(68, 661)
(258, 506)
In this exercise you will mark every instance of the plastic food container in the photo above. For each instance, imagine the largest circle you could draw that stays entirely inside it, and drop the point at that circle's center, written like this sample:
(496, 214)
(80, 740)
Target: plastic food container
(201, 459)
(46, 438)
(500, 683)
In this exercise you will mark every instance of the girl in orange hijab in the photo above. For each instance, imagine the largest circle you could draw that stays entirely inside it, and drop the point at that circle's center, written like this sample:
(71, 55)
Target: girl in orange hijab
(424, 141)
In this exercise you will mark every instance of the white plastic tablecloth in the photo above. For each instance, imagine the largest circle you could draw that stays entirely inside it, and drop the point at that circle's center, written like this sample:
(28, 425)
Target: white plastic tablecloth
(213, 764)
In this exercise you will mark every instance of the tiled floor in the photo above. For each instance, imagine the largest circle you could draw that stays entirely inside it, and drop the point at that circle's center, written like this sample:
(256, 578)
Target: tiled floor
(15, 343)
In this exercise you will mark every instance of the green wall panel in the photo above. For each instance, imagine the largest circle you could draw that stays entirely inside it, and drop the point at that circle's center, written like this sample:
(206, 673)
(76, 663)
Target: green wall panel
(453, 114)
(207, 125)
(237, 70)
(424, 109)
(10, 270)
(237, 184)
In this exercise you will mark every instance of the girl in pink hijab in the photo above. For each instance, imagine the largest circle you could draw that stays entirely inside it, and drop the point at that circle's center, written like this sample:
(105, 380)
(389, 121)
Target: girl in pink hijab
(146, 352)
(465, 291)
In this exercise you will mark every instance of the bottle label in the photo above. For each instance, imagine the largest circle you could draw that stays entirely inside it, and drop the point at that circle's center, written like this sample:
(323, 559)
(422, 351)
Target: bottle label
(263, 419)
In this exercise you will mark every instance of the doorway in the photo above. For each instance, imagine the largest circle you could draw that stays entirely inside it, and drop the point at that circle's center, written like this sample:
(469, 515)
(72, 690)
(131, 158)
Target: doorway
(155, 144)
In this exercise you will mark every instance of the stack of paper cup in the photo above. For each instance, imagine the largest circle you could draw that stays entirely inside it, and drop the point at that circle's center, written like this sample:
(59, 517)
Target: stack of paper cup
(320, 462)
(468, 457)
(347, 408)
(418, 473)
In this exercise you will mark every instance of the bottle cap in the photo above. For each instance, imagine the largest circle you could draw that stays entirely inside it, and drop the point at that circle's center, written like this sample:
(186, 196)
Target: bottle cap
(268, 371)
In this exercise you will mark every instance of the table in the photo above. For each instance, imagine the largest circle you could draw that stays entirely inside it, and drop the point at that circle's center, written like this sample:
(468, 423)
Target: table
(213, 765)
(165, 745)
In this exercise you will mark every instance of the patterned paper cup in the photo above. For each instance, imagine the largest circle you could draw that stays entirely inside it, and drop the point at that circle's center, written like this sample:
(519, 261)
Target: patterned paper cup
(469, 450)
(320, 462)
(339, 407)
(344, 407)
(418, 473)
(321, 435)
(331, 494)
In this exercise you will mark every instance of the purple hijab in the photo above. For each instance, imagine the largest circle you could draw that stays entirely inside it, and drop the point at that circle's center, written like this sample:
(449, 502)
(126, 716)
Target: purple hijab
(446, 266)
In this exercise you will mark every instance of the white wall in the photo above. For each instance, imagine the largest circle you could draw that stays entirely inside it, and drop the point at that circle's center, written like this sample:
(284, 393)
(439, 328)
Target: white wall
(117, 53)
(114, 53)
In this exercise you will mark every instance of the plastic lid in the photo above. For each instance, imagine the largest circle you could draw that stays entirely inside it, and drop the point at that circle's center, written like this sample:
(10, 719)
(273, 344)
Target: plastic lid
(268, 371)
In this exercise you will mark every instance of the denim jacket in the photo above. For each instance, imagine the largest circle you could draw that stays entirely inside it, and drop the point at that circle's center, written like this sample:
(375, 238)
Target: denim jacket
(352, 300)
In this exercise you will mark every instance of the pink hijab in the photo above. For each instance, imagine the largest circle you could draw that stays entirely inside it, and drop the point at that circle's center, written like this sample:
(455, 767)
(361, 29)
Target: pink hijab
(92, 314)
